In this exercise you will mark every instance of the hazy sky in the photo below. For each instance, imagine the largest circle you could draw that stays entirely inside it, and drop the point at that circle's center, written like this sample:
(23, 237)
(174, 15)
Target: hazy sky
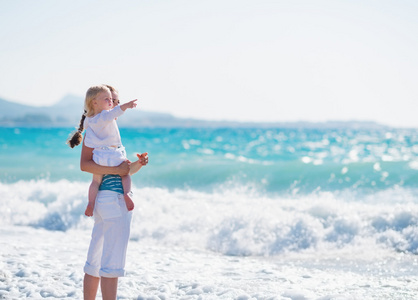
(252, 60)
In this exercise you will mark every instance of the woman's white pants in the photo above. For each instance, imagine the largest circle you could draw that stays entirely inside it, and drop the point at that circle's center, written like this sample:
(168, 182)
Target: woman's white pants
(110, 236)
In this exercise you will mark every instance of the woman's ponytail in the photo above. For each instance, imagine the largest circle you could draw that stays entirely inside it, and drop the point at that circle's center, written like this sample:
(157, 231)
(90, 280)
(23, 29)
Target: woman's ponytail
(77, 137)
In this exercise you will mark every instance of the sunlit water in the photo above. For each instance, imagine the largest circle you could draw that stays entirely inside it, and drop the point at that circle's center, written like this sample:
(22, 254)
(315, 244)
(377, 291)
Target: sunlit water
(264, 193)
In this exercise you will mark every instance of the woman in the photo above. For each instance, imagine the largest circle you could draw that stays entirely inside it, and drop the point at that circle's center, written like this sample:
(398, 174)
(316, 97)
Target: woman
(106, 256)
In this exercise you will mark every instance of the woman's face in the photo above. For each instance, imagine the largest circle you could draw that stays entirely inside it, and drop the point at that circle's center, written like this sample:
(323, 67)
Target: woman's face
(115, 99)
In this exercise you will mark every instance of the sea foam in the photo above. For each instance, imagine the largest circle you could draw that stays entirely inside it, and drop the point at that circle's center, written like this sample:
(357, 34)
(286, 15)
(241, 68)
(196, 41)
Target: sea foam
(234, 220)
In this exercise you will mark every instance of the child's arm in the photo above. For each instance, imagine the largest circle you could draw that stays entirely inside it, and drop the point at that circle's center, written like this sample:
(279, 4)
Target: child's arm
(137, 165)
(88, 165)
(130, 104)
(110, 115)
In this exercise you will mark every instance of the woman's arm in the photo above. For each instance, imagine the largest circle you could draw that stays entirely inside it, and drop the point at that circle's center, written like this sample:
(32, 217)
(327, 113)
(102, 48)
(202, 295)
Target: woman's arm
(88, 165)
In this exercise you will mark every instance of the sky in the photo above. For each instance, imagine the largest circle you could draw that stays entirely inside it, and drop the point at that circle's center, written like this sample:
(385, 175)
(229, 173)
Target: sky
(244, 60)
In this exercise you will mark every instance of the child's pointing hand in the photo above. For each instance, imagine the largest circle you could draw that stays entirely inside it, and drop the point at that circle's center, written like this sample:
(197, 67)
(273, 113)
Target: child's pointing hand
(130, 104)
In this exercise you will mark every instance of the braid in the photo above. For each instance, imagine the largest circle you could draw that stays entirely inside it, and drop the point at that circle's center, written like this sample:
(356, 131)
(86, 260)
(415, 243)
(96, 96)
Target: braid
(77, 137)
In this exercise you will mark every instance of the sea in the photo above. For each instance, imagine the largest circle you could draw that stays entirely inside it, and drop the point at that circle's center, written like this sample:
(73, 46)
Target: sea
(221, 213)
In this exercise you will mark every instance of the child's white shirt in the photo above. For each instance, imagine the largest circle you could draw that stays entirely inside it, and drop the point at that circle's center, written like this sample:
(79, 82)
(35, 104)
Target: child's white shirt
(102, 129)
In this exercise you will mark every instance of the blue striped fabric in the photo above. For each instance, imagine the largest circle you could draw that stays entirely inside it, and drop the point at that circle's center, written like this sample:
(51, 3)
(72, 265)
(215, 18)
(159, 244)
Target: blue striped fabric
(111, 183)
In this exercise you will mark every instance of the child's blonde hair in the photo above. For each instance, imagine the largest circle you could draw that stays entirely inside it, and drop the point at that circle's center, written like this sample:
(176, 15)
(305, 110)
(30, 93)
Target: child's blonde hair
(91, 94)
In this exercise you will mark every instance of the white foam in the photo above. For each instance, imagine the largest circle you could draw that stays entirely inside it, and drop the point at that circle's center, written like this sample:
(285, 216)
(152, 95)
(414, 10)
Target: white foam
(235, 220)
(37, 263)
(230, 244)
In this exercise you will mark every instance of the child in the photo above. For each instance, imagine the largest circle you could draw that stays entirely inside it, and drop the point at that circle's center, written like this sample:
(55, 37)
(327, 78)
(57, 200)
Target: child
(103, 135)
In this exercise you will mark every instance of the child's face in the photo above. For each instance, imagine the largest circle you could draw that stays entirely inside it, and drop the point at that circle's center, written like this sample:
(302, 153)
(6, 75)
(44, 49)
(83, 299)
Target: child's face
(115, 98)
(103, 101)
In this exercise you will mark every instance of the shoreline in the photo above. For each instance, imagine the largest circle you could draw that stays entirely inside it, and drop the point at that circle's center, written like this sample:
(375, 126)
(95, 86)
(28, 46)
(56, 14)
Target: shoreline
(39, 263)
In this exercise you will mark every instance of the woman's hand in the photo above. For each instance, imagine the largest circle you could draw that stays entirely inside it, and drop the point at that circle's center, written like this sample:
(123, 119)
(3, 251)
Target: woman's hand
(124, 168)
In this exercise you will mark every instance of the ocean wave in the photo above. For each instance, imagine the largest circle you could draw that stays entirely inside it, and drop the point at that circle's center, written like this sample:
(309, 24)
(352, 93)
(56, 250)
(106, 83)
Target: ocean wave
(234, 220)
(276, 160)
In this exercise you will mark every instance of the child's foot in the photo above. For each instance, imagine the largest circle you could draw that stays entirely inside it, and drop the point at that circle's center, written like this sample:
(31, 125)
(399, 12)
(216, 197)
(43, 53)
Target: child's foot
(128, 200)
(89, 210)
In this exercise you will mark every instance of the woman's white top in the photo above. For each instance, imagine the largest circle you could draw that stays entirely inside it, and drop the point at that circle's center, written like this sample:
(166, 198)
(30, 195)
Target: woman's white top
(102, 129)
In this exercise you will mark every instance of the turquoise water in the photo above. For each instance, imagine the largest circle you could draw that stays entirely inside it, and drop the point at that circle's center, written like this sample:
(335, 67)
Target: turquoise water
(268, 160)
(232, 191)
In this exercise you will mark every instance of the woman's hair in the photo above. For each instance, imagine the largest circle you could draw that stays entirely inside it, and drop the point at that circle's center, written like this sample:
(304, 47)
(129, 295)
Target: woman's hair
(113, 90)
(76, 137)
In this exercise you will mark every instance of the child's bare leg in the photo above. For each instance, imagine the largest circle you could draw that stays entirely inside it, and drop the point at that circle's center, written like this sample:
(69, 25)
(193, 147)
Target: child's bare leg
(93, 190)
(126, 183)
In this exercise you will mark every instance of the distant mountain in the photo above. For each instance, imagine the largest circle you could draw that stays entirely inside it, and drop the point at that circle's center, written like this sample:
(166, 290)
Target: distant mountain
(67, 113)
